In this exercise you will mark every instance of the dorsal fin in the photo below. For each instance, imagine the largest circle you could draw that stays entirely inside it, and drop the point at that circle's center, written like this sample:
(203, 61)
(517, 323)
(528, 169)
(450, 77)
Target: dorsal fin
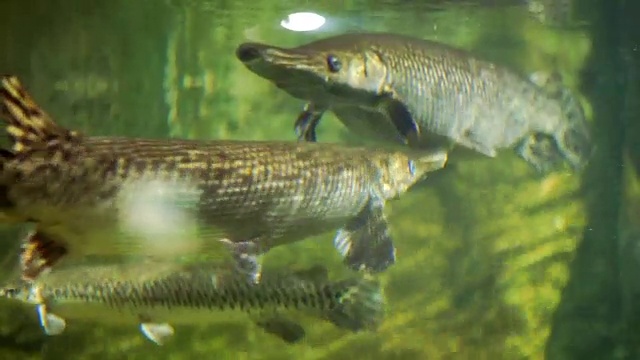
(27, 124)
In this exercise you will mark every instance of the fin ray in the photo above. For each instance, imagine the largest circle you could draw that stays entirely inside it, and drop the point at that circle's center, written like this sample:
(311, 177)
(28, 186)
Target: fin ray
(540, 152)
(362, 307)
(245, 255)
(573, 139)
(38, 254)
(365, 242)
(307, 122)
(157, 332)
(402, 120)
(52, 324)
(28, 124)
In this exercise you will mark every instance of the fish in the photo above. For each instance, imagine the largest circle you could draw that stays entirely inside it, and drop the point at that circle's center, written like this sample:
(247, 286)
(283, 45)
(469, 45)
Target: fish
(407, 91)
(157, 295)
(174, 198)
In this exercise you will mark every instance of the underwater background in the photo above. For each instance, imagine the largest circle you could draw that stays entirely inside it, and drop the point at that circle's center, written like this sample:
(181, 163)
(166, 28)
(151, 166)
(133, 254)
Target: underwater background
(493, 262)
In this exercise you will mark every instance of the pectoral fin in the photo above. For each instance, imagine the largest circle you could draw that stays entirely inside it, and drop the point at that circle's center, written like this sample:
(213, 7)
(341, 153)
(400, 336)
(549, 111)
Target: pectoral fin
(51, 323)
(157, 332)
(245, 254)
(362, 307)
(365, 242)
(408, 129)
(288, 330)
(574, 137)
(307, 122)
(38, 254)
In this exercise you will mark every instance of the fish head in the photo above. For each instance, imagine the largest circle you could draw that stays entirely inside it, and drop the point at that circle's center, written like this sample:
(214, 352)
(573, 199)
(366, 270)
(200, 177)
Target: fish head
(404, 169)
(322, 73)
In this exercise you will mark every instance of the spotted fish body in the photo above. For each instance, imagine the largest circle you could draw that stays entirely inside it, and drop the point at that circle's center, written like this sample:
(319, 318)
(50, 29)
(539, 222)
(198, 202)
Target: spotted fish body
(425, 94)
(169, 197)
(158, 295)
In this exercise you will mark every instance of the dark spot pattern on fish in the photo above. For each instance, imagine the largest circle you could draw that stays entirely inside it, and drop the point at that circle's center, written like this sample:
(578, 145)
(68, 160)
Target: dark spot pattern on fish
(256, 194)
(198, 291)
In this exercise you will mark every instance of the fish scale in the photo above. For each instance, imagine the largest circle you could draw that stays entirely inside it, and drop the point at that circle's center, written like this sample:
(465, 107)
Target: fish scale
(174, 197)
(200, 291)
(452, 85)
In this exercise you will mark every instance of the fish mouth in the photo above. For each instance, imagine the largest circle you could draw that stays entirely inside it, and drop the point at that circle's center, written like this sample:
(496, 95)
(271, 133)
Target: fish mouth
(248, 52)
(255, 54)
(294, 71)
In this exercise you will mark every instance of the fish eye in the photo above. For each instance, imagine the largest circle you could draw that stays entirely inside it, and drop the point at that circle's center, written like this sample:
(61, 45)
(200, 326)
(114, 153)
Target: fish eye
(412, 167)
(334, 63)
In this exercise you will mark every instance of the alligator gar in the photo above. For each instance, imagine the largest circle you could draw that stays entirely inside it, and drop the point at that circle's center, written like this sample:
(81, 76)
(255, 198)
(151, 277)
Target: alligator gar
(158, 295)
(164, 198)
(405, 90)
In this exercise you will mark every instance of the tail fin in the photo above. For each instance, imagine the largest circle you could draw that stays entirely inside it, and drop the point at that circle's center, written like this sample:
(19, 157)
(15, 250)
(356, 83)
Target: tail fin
(362, 306)
(27, 124)
(573, 139)
(361, 303)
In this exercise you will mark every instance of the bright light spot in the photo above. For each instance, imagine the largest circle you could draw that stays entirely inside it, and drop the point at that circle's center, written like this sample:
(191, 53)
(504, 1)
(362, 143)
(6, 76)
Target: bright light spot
(157, 215)
(303, 21)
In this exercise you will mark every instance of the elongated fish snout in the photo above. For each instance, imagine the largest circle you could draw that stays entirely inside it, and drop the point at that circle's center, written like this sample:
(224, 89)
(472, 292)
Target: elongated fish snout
(430, 162)
(272, 56)
(253, 52)
(249, 52)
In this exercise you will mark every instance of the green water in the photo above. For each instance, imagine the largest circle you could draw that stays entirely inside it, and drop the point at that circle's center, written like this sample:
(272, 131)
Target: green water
(494, 262)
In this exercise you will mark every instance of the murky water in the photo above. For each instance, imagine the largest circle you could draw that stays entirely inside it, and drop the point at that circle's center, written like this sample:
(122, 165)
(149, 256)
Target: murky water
(487, 250)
